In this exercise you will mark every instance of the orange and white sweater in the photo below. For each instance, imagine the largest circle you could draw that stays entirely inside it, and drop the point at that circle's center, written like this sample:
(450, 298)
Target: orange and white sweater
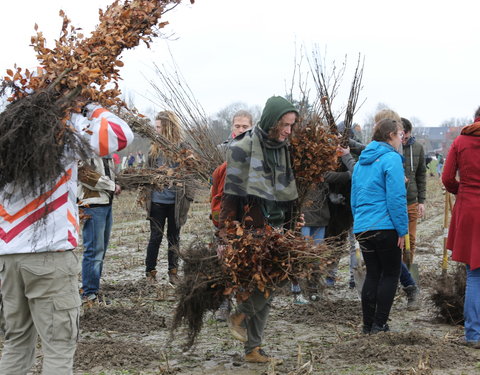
(57, 208)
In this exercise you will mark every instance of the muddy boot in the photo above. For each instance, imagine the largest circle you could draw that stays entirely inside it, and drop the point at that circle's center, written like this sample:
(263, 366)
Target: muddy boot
(413, 302)
(377, 328)
(151, 277)
(173, 276)
(257, 355)
(237, 330)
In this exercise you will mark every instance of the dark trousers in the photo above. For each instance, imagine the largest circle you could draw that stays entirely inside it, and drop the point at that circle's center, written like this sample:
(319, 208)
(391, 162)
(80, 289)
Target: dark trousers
(160, 213)
(383, 260)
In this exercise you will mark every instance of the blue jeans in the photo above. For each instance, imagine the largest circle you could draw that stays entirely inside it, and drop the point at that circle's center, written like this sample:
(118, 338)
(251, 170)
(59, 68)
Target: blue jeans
(406, 278)
(96, 233)
(316, 233)
(471, 310)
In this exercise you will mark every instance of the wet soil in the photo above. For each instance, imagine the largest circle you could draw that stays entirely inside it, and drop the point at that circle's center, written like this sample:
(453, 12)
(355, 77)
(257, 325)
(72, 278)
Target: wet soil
(121, 319)
(131, 336)
(399, 349)
(113, 353)
(327, 311)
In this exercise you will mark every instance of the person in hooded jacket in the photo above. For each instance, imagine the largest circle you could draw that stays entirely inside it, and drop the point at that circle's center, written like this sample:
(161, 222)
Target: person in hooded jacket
(415, 193)
(259, 176)
(416, 174)
(463, 234)
(378, 203)
(416, 179)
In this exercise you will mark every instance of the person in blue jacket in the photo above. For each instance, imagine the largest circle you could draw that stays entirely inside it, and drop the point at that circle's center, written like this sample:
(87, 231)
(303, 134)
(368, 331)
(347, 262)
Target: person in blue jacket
(379, 208)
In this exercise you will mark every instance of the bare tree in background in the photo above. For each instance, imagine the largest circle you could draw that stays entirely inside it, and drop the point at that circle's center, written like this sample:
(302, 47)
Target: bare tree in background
(457, 121)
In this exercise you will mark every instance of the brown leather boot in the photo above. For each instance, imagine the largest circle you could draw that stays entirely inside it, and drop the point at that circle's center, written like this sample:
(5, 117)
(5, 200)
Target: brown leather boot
(151, 277)
(235, 321)
(173, 276)
(257, 355)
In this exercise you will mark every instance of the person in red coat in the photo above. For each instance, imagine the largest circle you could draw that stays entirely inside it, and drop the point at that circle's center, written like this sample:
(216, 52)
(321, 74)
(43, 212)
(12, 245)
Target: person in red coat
(464, 234)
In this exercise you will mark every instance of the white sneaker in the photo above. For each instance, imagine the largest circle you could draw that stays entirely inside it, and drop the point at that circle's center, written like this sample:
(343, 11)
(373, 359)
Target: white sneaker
(299, 299)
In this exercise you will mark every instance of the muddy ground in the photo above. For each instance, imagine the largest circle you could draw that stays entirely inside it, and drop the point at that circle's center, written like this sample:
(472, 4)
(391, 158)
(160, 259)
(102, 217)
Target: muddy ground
(131, 336)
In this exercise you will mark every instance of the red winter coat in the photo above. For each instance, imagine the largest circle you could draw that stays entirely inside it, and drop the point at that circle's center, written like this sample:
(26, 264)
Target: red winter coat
(464, 232)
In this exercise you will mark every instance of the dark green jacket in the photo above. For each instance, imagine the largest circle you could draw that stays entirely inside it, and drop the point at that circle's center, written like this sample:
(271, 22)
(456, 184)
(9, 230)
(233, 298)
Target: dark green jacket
(415, 172)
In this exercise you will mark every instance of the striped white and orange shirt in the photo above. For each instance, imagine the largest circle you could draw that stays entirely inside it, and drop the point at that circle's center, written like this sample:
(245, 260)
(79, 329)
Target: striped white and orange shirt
(24, 228)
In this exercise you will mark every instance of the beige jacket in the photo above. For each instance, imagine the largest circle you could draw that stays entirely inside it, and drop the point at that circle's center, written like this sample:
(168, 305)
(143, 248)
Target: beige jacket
(94, 185)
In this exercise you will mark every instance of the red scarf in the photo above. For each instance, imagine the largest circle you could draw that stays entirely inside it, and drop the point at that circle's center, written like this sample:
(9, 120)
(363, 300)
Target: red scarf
(473, 129)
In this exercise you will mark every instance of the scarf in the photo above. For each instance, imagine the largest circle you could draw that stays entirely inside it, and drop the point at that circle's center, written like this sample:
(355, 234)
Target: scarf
(473, 129)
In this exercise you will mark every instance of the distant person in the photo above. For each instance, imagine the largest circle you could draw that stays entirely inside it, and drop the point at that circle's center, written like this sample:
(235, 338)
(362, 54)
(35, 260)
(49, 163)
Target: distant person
(140, 159)
(464, 236)
(440, 161)
(416, 179)
(130, 160)
(379, 207)
(169, 205)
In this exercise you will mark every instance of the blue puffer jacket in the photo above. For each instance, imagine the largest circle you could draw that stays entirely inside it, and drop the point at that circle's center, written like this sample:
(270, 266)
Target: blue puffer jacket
(378, 190)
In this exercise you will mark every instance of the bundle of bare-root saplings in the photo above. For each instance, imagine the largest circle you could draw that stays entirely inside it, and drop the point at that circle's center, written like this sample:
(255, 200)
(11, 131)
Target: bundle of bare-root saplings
(33, 127)
(244, 259)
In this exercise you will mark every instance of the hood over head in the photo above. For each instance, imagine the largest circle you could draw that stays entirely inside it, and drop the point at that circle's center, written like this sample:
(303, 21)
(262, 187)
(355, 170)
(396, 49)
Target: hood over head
(411, 141)
(274, 109)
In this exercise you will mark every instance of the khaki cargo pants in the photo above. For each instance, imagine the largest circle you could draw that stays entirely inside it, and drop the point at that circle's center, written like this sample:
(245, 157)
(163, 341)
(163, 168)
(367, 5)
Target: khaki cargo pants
(40, 297)
(256, 308)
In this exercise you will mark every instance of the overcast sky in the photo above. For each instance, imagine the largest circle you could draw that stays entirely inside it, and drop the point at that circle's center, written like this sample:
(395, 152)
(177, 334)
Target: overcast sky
(421, 57)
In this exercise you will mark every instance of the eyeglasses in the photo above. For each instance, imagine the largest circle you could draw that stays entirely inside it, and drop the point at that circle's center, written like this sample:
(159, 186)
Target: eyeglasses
(401, 135)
